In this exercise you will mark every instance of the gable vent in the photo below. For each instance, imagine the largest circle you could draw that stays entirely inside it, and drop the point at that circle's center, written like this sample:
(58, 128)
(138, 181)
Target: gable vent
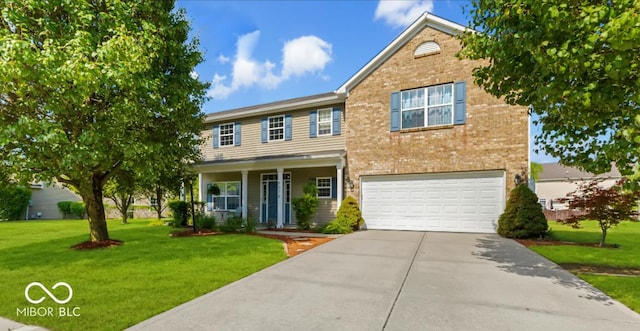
(427, 48)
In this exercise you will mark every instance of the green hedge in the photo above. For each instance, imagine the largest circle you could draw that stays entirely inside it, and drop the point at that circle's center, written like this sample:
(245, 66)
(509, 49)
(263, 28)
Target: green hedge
(72, 208)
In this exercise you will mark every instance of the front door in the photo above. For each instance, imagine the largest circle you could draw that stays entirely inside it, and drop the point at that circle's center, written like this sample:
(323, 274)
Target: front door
(269, 198)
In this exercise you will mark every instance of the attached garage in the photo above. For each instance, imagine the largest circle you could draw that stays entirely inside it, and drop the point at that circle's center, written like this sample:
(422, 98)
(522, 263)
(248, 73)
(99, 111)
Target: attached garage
(451, 202)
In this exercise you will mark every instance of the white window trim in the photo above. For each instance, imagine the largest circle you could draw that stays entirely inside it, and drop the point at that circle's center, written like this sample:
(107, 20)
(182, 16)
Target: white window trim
(318, 186)
(330, 122)
(543, 203)
(233, 134)
(426, 107)
(222, 185)
(269, 128)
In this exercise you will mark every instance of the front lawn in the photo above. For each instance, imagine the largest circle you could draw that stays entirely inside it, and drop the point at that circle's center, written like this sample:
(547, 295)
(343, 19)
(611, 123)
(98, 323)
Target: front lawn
(626, 256)
(117, 287)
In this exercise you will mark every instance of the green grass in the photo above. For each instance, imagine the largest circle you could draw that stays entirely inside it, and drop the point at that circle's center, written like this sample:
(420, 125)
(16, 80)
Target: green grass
(627, 255)
(119, 286)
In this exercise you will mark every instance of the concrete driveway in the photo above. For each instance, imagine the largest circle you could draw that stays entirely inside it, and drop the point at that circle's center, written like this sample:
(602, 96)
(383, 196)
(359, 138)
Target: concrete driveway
(391, 280)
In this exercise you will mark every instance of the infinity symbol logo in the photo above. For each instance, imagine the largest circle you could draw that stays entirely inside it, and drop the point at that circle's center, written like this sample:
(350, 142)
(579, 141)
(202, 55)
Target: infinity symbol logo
(53, 297)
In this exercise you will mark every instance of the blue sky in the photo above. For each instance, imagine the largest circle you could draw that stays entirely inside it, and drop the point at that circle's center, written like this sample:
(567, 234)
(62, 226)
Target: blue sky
(264, 51)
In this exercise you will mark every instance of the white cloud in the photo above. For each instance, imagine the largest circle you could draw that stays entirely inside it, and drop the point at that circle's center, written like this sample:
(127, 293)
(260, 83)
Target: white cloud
(223, 59)
(300, 56)
(308, 54)
(402, 13)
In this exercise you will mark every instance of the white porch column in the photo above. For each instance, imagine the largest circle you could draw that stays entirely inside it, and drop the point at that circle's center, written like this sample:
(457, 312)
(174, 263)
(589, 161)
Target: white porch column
(280, 209)
(245, 193)
(201, 192)
(340, 183)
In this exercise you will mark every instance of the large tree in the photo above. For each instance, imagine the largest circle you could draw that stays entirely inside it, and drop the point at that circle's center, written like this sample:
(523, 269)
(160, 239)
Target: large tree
(576, 63)
(91, 87)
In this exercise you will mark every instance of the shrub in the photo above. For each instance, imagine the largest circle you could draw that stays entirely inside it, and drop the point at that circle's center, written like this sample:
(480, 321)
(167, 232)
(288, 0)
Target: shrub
(13, 202)
(180, 211)
(523, 217)
(350, 211)
(249, 225)
(340, 225)
(77, 209)
(65, 208)
(305, 206)
(206, 222)
(232, 224)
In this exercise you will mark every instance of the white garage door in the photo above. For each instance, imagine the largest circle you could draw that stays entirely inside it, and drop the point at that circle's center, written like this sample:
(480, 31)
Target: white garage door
(453, 202)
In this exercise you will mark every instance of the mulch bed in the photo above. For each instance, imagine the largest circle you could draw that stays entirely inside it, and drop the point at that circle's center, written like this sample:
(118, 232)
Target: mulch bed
(97, 244)
(583, 268)
(545, 242)
(287, 230)
(600, 270)
(297, 245)
(190, 233)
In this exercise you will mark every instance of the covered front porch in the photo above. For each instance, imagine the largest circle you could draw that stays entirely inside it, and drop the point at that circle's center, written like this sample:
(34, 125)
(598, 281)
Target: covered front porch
(262, 188)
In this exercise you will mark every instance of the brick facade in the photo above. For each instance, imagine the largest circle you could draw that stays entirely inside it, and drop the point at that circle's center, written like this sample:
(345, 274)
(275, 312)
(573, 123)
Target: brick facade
(495, 136)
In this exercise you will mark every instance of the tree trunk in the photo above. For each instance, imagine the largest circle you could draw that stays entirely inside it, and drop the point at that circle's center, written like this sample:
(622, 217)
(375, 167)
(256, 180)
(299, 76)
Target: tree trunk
(126, 203)
(604, 236)
(159, 195)
(92, 197)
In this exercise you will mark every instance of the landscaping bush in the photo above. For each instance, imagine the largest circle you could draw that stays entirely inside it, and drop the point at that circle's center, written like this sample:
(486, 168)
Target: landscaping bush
(65, 208)
(180, 211)
(206, 222)
(232, 224)
(350, 211)
(13, 202)
(305, 206)
(77, 209)
(249, 225)
(523, 217)
(340, 225)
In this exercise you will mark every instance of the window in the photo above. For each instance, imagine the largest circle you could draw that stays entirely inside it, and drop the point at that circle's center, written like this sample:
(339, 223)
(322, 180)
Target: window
(153, 201)
(226, 134)
(324, 122)
(543, 203)
(427, 48)
(424, 107)
(229, 197)
(324, 187)
(276, 128)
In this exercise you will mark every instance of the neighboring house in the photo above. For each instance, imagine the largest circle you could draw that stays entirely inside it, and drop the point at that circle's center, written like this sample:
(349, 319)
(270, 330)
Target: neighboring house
(45, 198)
(556, 181)
(409, 135)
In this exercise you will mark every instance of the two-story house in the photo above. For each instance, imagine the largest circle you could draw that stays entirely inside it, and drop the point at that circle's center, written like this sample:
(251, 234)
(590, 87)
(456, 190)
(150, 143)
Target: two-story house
(410, 136)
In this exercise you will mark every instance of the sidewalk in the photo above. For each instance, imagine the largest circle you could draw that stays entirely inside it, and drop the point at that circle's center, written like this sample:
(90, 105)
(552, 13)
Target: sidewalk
(7, 324)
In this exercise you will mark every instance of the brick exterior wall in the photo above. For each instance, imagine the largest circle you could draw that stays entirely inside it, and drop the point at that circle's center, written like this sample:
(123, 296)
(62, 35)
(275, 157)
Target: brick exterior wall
(495, 136)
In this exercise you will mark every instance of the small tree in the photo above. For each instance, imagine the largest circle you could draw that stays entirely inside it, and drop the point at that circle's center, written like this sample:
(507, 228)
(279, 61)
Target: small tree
(523, 217)
(607, 206)
(120, 189)
(305, 206)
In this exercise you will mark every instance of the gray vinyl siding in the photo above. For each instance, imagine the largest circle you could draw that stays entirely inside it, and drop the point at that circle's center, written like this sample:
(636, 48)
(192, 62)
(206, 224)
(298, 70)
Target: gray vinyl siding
(299, 177)
(327, 208)
(252, 146)
(45, 201)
